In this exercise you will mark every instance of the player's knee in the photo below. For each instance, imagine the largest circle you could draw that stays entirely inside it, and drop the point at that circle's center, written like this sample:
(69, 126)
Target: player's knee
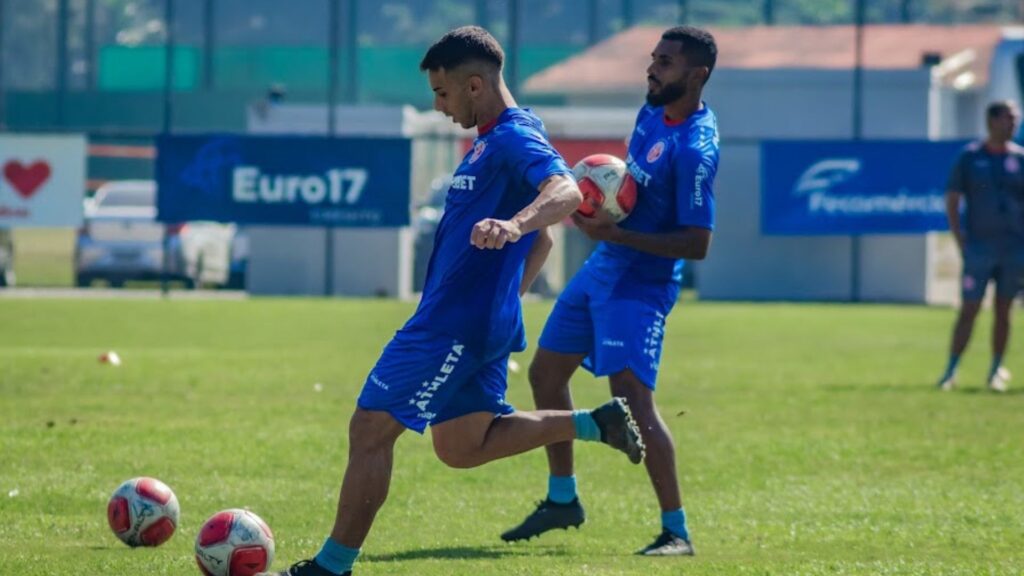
(544, 377)
(455, 455)
(372, 431)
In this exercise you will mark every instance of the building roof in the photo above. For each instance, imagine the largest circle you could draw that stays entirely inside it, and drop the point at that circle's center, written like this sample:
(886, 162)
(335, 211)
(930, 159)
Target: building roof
(618, 63)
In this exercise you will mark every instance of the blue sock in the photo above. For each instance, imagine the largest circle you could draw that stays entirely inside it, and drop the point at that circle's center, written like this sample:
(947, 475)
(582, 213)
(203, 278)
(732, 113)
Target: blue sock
(951, 367)
(586, 427)
(336, 558)
(675, 522)
(997, 361)
(562, 489)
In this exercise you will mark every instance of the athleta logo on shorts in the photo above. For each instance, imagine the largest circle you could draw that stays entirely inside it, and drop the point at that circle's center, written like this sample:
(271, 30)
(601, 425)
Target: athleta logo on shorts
(378, 382)
(653, 338)
(613, 343)
(429, 388)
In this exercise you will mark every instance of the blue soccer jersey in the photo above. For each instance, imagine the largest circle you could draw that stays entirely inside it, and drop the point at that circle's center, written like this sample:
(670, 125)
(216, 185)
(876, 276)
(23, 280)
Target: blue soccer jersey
(473, 294)
(674, 166)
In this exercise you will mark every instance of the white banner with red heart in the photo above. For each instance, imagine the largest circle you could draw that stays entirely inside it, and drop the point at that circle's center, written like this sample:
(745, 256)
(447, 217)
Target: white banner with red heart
(42, 180)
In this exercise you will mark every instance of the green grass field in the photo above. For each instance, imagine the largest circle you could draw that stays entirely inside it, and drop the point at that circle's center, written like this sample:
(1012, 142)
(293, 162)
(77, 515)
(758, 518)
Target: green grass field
(809, 439)
(44, 256)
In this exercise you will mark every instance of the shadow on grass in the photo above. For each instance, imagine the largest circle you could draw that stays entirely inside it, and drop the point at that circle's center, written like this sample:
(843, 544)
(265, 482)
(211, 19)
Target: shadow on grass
(467, 553)
(987, 392)
(897, 388)
(924, 388)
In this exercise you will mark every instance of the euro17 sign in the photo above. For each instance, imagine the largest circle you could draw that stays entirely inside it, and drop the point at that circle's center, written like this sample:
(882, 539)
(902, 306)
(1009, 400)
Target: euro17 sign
(42, 180)
(285, 180)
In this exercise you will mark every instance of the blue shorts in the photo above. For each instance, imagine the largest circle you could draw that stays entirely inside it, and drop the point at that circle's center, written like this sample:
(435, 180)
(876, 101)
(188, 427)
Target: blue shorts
(426, 378)
(616, 329)
(984, 263)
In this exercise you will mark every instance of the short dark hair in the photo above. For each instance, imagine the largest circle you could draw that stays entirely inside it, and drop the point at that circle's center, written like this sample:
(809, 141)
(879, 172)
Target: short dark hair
(998, 108)
(698, 45)
(462, 45)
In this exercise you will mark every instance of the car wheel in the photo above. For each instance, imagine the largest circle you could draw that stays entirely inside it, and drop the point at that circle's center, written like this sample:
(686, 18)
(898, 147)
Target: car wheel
(83, 281)
(117, 283)
(6, 278)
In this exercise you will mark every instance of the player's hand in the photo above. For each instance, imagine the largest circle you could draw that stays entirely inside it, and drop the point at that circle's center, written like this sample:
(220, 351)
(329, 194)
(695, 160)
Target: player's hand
(599, 227)
(493, 234)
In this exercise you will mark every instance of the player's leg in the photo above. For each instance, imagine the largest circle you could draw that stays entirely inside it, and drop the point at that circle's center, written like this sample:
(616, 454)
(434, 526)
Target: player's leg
(372, 437)
(660, 463)
(567, 338)
(549, 374)
(394, 397)
(1008, 279)
(476, 425)
(977, 269)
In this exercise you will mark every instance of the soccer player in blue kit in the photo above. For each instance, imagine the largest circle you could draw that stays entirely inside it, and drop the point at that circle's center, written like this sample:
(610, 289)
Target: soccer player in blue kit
(446, 367)
(611, 316)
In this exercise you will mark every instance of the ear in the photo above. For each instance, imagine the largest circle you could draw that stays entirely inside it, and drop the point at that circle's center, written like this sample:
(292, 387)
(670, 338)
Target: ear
(701, 74)
(476, 84)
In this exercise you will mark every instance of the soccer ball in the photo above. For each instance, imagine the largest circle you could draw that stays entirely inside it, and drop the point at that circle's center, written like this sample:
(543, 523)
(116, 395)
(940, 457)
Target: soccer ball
(606, 185)
(234, 543)
(143, 512)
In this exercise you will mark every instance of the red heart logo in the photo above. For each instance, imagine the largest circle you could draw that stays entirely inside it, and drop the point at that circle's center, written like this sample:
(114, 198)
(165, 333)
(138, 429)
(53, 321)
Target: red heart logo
(26, 179)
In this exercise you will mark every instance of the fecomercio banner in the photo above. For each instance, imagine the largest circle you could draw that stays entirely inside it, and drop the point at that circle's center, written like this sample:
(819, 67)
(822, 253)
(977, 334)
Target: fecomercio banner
(284, 180)
(818, 187)
(43, 180)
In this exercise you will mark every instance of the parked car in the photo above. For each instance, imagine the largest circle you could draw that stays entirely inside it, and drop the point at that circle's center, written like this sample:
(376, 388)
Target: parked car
(121, 240)
(6, 258)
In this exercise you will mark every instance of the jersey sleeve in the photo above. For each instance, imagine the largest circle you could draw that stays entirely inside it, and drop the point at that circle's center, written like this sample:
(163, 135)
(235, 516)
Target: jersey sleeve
(958, 176)
(531, 156)
(695, 197)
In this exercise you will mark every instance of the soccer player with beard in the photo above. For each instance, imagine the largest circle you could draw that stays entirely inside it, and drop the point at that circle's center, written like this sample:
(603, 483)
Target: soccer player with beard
(611, 316)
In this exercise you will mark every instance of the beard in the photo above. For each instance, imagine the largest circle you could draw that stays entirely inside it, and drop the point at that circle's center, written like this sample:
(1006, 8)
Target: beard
(669, 93)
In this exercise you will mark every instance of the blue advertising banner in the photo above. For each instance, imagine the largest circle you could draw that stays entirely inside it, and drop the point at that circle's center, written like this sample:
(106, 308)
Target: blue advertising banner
(343, 182)
(855, 187)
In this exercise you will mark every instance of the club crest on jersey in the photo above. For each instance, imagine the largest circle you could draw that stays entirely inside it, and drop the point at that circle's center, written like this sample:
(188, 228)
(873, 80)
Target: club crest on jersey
(478, 150)
(1012, 165)
(655, 152)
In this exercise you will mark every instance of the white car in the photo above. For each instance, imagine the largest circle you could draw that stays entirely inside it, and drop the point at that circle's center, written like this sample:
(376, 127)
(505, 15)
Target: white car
(121, 240)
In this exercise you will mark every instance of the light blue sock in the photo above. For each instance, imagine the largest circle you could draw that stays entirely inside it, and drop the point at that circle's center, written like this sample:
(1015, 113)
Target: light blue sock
(997, 361)
(562, 489)
(586, 427)
(951, 367)
(336, 558)
(675, 522)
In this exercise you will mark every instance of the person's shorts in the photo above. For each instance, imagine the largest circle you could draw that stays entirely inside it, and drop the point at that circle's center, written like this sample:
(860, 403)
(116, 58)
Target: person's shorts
(426, 378)
(615, 332)
(983, 264)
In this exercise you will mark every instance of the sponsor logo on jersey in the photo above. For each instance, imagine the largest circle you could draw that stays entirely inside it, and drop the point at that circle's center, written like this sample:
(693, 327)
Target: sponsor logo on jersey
(638, 173)
(698, 193)
(463, 182)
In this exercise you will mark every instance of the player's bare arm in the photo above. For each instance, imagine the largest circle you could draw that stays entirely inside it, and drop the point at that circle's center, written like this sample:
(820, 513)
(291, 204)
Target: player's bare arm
(953, 214)
(536, 258)
(691, 243)
(559, 196)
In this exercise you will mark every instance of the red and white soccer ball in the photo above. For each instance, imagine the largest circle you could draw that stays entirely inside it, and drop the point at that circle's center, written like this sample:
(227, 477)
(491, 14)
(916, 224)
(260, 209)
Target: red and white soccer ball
(234, 543)
(143, 512)
(606, 185)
